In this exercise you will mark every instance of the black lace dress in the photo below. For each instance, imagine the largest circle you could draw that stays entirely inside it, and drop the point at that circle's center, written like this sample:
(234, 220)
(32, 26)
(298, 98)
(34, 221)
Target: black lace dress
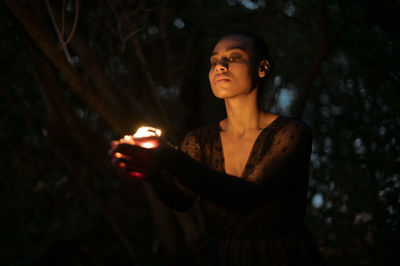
(266, 229)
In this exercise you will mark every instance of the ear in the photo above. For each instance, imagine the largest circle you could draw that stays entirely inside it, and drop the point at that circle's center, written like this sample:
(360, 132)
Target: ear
(263, 69)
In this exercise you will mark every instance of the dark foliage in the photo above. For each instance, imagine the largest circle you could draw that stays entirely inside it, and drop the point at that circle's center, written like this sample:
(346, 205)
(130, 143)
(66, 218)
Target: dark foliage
(336, 67)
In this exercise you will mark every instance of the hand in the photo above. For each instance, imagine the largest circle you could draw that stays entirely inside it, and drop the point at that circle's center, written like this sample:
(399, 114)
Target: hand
(132, 160)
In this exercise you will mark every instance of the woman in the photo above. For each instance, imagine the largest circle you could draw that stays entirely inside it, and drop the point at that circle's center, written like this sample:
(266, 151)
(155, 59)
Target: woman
(250, 170)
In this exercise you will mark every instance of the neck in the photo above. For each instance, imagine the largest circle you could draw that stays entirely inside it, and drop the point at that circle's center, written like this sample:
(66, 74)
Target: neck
(242, 114)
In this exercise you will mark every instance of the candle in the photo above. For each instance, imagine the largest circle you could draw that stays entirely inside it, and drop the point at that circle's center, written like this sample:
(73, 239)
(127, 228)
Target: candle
(145, 137)
(143, 132)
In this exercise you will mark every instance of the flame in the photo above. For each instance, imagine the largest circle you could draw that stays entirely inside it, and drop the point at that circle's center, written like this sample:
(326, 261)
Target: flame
(145, 137)
(149, 144)
(144, 132)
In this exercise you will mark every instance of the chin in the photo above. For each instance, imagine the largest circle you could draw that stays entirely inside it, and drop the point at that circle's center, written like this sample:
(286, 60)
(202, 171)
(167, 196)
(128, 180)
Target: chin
(222, 93)
(228, 92)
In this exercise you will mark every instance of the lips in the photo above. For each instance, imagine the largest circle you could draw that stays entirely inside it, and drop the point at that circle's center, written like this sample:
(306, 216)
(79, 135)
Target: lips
(221, 78)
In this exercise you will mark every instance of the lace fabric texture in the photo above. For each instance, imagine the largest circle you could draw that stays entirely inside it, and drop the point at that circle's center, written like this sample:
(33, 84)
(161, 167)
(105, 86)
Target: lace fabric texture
(272, 234)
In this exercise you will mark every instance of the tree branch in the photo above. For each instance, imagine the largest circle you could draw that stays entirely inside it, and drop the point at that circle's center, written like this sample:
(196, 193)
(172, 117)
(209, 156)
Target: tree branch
(79, 85)
(59, 109)
(59, 34)
(324, 47)
(96, 71)
(74, 26)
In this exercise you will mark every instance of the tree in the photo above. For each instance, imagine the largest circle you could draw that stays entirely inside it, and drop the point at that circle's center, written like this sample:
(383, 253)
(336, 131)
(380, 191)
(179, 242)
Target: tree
(80, 73)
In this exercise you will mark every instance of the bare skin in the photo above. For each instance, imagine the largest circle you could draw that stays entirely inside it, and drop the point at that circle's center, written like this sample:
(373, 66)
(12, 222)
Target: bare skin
(232, 78)
(237, 145)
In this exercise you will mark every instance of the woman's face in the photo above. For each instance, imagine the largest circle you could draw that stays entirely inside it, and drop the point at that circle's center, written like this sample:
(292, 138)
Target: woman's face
(232, 71)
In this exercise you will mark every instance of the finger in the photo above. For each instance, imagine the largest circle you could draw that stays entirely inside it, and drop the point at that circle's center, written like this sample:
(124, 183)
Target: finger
(115, 154)
(128, 164)
(114, 143)
(120, 155)
(122, 169)
(133, 151)
(111, 151)
(127, 149)
(132, 172)
(120, 162)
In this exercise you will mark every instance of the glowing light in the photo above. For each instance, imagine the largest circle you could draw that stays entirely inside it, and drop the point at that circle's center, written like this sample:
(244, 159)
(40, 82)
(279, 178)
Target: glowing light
(144, 132)
(317, 200)
(128, 138)
(145, 137)
(136, 175)
(149, 144)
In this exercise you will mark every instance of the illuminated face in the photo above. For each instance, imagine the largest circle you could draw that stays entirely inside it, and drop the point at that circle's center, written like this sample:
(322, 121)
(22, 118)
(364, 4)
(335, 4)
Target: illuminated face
(232, 70)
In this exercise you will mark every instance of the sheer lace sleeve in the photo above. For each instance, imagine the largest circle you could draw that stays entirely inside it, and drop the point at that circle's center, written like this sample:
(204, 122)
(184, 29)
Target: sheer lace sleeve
(171, 192)
(285, 164)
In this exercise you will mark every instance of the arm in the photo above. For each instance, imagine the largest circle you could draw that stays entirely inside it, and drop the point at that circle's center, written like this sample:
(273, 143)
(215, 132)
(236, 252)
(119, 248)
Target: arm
(171, 193)
(281, 171)
(168, 189)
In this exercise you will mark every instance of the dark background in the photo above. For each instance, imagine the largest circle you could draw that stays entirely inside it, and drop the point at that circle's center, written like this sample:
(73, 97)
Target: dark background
(134, 62)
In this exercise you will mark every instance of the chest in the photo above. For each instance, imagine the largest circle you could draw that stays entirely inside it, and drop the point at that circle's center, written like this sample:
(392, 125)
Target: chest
(236, 151)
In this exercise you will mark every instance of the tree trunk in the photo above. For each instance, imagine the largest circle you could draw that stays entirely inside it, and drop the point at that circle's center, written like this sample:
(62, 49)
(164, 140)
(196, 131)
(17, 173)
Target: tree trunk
(91, 65)
(79, 85)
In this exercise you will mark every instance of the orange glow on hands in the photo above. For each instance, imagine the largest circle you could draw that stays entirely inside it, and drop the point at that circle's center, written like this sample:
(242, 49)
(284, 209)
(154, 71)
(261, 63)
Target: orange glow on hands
(114, 143)
(147, 137)
(136, 175)
(128, 138)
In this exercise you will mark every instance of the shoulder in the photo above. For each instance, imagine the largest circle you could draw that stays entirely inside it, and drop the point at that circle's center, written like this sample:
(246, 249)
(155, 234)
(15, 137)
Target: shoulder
(282, 122)
(200, 132)
(197, 138)
(289, 129)
(293, 129)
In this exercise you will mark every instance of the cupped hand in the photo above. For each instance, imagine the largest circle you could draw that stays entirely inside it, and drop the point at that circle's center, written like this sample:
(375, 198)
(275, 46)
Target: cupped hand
(132, 160)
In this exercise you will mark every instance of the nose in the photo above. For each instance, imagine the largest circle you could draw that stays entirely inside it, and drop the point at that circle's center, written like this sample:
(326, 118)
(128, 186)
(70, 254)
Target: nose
(222, 65)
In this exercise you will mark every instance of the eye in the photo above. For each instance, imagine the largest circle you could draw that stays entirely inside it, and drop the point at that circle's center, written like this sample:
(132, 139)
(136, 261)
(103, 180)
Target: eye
(234, 58)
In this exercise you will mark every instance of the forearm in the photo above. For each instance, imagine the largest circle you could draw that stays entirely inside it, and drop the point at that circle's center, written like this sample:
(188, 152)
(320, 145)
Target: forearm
(171, 193)
(227, 191)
